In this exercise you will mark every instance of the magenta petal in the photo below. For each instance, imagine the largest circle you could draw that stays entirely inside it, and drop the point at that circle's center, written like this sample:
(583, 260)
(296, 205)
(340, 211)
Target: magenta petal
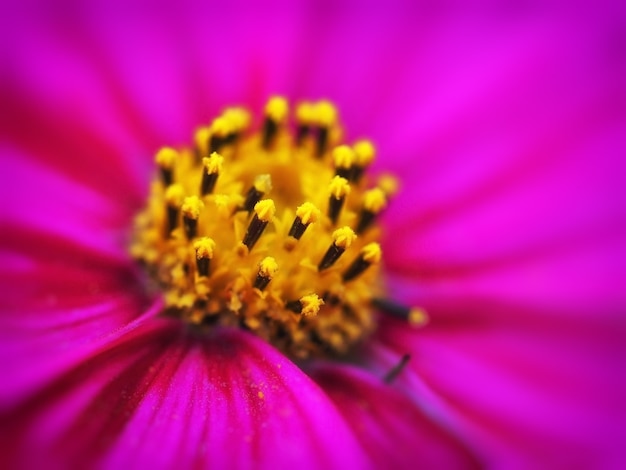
(392, 429)
(166, 398)
(520, 395)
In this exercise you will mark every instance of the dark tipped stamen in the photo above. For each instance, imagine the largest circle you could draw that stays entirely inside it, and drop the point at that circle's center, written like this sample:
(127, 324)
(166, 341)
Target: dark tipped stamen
(270, 131)
(253, 196)
(167, 175)
(301, 133)
(191, 227)
(332, 255)
(322, 141)
(334, 207)
(215, 143)
(357, 267)
(297, 228)
(254, 232)
(172, 218)
(366, 218)
(397, 369)
(208, 182)
(392, 308)
(357, 173)
(203, 265)
(344, 173)
(295, 306)
(261, 281)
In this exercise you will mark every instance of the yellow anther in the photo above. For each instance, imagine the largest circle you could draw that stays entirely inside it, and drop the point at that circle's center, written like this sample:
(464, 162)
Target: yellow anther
(343, 157)
(308, 213)
(238, 117)
(365, 152)
(310, 305)
(305, 113)
(265, 210)
(374, 200)
(418, 317)
(268, 267)
(389, 184)
(166, 157)
(339, 187)
(213, 164)
(204, 247)
(325, 113)
(371, 253)
(222, 126)
(344, 237)
(263, 183)
(174, 195)
(192, 206)
(277, 109)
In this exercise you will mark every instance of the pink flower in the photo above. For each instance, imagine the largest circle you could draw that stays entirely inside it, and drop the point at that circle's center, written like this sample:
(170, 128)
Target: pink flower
(507, 131)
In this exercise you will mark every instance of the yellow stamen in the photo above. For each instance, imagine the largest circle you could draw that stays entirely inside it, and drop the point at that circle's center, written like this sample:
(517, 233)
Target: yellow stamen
(166, 157)
(308, 213)
(371, 253)
(204, 247)
(365, 152)
(277, 109)
(325, 113)
(263, 183)
(339, 187)
(344, 237)
(310, 305)
(265, 210)
(192, 206)
(375, 200)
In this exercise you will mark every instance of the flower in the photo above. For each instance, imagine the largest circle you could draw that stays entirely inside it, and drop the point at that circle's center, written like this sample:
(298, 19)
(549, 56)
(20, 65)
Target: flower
(505, 130)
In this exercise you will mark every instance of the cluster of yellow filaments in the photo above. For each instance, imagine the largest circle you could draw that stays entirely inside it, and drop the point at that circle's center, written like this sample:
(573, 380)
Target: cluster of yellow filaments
(273, 231)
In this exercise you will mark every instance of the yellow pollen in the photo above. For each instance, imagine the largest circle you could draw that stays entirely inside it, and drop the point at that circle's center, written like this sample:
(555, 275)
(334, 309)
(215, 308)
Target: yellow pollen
(174, 195)
(263, 183)
(277, 109)
(222, 126)
(305, 113)
(417, 317)
(372, 253)
(311, 305)
(265, 210)
(239, 118)
(344, 237)
(268, 267)
(388, 184)
(365, 152)
(343, 156)
(166, 157)
(308, 213)
(375, 200)
(204, 247)
(213, 164)
(226, 254)
(325, 113)
(339, 187)
(192, 206)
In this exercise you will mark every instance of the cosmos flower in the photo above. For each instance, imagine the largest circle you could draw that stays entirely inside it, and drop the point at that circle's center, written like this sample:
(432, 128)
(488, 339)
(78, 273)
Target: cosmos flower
(506, 132)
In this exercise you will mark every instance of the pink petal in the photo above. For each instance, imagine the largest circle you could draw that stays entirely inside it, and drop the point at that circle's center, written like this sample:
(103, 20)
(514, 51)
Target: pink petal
(522, 396)
(392, 429)
(166, 397)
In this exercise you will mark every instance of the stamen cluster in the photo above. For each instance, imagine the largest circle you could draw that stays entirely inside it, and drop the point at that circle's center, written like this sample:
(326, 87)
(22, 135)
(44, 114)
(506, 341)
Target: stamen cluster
(273, 231)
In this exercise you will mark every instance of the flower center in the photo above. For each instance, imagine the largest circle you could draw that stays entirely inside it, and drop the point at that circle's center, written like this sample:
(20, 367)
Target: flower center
(273, 231)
